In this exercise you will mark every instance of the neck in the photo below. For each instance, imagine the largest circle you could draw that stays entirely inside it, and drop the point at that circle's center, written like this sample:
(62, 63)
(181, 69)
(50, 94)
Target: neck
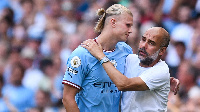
(107, 42)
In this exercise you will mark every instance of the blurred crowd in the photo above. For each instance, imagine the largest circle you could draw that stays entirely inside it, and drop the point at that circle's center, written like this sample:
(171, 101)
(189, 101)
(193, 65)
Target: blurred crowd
(37, 37)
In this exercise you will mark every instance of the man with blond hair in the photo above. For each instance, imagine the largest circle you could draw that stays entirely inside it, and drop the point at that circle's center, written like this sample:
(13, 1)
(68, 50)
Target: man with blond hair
(85, 78)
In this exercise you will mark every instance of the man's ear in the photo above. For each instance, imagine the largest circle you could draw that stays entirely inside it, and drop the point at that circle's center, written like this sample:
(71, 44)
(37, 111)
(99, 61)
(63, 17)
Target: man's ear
(162, 50)
(113, 22)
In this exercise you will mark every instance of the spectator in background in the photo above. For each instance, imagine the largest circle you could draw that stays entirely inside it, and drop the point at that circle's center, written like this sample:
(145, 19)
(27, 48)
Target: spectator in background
(50, 80)
(33, 20)
(13, 58)
(42, 102)
(188, 95)
(4, 4)
(182, 33)
(4, 51)
(28, 13)
(3, 106)
(32, 73)
(15, 92)
(57, 89)
(193, 103)
(68, 23)
(180, 50)
(5, 29)
(52, 44)
(195, 44)
(19, 36)
(187, 76)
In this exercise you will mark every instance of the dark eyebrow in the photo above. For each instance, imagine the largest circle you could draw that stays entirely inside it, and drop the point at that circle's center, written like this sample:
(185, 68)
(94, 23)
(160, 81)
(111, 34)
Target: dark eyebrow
(152, 42)
(149, 40)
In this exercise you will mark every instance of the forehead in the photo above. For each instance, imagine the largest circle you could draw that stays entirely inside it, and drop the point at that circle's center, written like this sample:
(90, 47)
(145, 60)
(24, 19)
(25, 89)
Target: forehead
(125, 17)
(153, 34)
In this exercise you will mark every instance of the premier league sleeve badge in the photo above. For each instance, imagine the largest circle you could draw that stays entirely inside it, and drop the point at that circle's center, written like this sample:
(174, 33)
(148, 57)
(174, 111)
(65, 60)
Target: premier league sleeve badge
(75, 62)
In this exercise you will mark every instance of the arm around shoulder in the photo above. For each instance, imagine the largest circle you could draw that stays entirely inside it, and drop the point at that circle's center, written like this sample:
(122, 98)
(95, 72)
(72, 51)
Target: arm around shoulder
(122, 82)
(133, 84)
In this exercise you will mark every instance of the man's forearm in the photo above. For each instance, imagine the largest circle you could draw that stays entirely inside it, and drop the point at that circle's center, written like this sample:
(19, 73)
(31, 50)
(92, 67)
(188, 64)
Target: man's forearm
(71, 106)
(122, 82)
(69, 99)
(117, 77)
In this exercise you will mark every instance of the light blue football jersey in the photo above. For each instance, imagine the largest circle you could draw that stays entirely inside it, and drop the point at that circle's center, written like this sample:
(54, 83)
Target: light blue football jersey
(98, 93)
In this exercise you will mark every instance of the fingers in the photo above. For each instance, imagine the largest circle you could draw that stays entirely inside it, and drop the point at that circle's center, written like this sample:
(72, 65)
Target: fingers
(88, 44)
(83, 45)
(176, 91)
(177, 87)
(84, 42)
(171, 78)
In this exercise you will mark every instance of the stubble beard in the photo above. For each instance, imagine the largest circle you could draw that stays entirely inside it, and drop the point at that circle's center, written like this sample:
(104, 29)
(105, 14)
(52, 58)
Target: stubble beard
(149, 59)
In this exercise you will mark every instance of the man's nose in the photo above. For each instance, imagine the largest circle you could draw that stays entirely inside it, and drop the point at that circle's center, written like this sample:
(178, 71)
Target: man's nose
(144, 45)
(130, 30)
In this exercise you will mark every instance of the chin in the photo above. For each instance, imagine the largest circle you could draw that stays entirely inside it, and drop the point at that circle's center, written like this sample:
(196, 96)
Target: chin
(141, 57)
(124, 40)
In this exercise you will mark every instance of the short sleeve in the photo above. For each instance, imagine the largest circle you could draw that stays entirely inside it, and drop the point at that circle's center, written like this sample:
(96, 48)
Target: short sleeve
(76, 68)
(156, 77)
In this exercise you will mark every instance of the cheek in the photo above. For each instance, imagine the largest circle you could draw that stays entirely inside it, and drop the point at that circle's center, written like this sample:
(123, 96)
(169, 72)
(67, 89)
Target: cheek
(140, 44)
(122, 28)
(151, 51)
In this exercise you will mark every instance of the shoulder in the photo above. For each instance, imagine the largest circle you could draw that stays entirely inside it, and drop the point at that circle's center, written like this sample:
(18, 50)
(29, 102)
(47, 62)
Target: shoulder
(132, 58)
(81, 56)
(157, 76)
(161, 70)
(123, 44)
(125, 47)
(80, 51)
(162, 66)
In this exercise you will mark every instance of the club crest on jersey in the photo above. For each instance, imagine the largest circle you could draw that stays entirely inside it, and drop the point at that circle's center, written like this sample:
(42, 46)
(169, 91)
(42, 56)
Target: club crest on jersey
(76, 62)
(114, 63)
